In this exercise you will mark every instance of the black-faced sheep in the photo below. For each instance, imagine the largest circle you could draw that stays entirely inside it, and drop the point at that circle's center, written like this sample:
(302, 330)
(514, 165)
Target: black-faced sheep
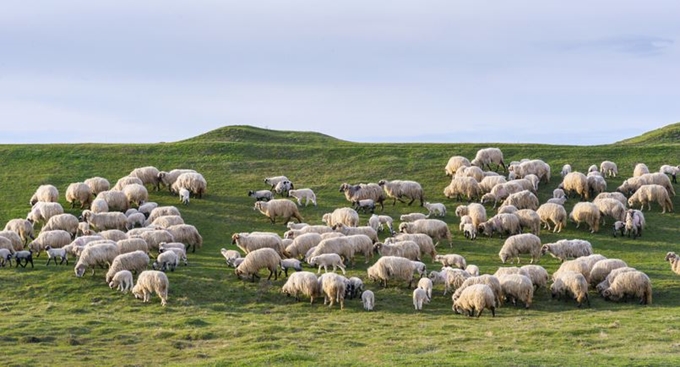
(346, 216)
(261, 195)
(67, 222)
(576, 182)
(602, 268)
(115, 200)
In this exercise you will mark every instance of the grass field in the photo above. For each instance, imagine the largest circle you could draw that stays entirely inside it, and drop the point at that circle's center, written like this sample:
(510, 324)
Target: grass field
(50, 317)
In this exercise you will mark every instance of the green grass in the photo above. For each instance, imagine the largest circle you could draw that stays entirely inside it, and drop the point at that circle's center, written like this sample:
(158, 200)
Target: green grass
(53, 318)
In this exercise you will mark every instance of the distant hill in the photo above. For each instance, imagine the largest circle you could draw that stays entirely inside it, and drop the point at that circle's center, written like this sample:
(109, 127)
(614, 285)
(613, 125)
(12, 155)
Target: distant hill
(250, 134)
(669, 134)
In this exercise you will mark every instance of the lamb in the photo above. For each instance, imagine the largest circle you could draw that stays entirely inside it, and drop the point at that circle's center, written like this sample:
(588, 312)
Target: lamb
(397, 189)
(486, 156)
(364, 191)
(470, 231)
(630, 284)
(640, 169)
(135, 261)
(45, 193)
(79, 192)
(673, 258)
(454, 163)
(648, 193)
(57, 238)
(525, 243)
(302, 282)
(22, 227)
(365, 205)
(42, 211)
(136, 194)
(571, 284)
(122, 281)
(477, 213)
(115, 200)
(301, 244)
(334, 287)
(419, 297)
(566, 169)
(476, 297)
(507, 224)
(261, 195)
(355, 287)
(552, 213)
(346, 216)
(391, 267)
(619, 227)
(451, 260)
(453, 278)
(132, 244)
(486, 279)
(26, 256)
(250, 242)
(609, 169)
(259, 259)
(166, 260)
(405, 249)
(378, 222)
(169, 178)
(437, 209)
(148, 175)
(538, 275)
(97, 184)
(435, 228)
(325, 260)
(104, 221)
(54, 253)
(150, 281)
(602, 268)
(412, 217)
(586, 212)
(179, 251)
(66, 222)
(610, 278)
(368, 300)
(14, 239)
(635, 223)
(192, 181)
(566, 249)
(559, 193)
(426, 285)
(279, 208)
(517, 287)
(286, 264)
(460, 187)
(423, 241)
(300, 194)
(576, 182)
(96, 253)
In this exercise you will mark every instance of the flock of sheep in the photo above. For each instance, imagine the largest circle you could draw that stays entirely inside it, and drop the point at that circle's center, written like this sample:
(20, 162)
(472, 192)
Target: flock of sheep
(118, 228)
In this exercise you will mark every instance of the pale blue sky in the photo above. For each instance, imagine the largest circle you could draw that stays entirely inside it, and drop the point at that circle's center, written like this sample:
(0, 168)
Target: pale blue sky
(577, 72)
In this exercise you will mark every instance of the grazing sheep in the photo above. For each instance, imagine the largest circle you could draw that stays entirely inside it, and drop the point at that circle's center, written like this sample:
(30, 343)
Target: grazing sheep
(419, 297)
(302, 282)
(576, 182)
(391, 267)
(486, 279)
(99, 206)
(97, 184)
(536, 167)
(488, 183)
(423, 241)
(132, 244)
(325, 260)
(166, 221)
(517, 287)
(136, 194)
(368, 300)
(155, 237)
(612, 195)
(538, 275)
(334, 287)
(126, 180)
(507, 224)
(79, 192)
(135, 220)
(566, 169)
(166, 260)
(454, 163)
(611, 207)
(148, 175)
(362, 244)
(646, 194)
(477, 213)
(188, 235)
(396, 189)
(552, 213)
(365, 205)
(161, 211)
(169, 178)
(300, 194)
(56, 238)
(640, 169)
(135, 261)
(470, 231)
(602, 268)
(559, 193)
(250, 242)
(426, 285)
(342, 246)
(460, 187)
(114, 235)
(192, 181)
(525, 243)
(286, 264)
(355, 287)
(475, 298)
(104, 221)
(256, 260)
(14, 239)
(437, 209)
(25, 256)
(179, 251)
(435, 228)
(412, 217)
(609, 169)
(405, 249)
(451, 260)
(22, 227)
(635, 284)
(283, 187)
(378, 222)
(670, 170)
(96, 253)
(122, 281)
(566, 249)
(365, 230)
(473, 172)
(150, 281)
(610, 278)
(272, 181)
(115, 200)
(54, 253)
(301, 244)
(529, 220)
(635, 223)
(346, 216)
(42, 211)
(279, 208)
(45, 193)
(570, 284)
(371, 191)
(261, 195)
(453, 278)
(472, 269)
(579, 265)
(586, 212)
(67, 222)
(596, 185)
(486, 156)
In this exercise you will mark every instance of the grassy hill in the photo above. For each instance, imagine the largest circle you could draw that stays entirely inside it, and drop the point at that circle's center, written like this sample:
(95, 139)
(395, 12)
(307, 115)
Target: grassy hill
(213, 318)
(669, 134)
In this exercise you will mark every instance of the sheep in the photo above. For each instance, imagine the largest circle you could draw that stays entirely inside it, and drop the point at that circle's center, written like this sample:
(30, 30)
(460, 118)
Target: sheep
(435, 228)
(126, 180)
(135, 220)
(96, 253)
(405, 249)
(79, 192)
(42, 211)
(391, 267)
(320, 229)
(423, 241)
(378, 222)
(559, 193)
(552, 213)
(538, 275)
(473, 172)
(136, 194)
(290, 264)
(147, 208)
(673, 258)
(670, 170)
(155, 237)
(635, 284)
(536, 167)
(571, 284)
(469, 231)
(97, 184)
(180, 252)
(135, 261)
(635, 223)
(279, 208)
(334, 287)
(610, 278)
(361, 244)
(80, 242)
(66, 222)
(150, 281)
(486, 279)
(26, 256)
(632, 184)
(341, 245)
(148, 175)
(161, 211)
(282, 188)
(167, 221)
(586, 212)
(14, 239)
(648, 193)
(365, 205)
(517, 287)
(525, 243)
(412, 217)
(576, 182)
(486, 156)
(99, 206)
(640, 169)
(355, 287)
(115, 200)
(529, 220)
(56, 238)
(256, 260)
(364, 191)
(619, 227)
(489, 182)
(426, 285)
(250, 242)
(419, 297)
(453, 278)
(477, 213)
(54, 253)
(301, 244)
(612, 208)
(437, 209)
(460, 187)
(368, 300)
(122, 281)
(261, 195)
(507, 224)
(566, 249)
(473, 298)
(454, 163)
(302, 282)
(131, 245)
(602, 268)
(45, 193)
(596, 185)
(346, 216)
(169, 178)
(579, 265)
(396, 189)
(104, 221)
(166, 260)
(22, 227)
(612, 195)
(325, 260)
(348, 231)
(275, 180)
(300, 194)
(451, 260)
(188, 235)
(566, 169)
(609, 169)
(522, 200)
(114, 235)
(192, 181)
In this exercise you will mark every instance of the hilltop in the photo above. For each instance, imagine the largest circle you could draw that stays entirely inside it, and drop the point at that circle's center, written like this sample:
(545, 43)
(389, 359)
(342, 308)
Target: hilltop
(669, 134)
(251, 134)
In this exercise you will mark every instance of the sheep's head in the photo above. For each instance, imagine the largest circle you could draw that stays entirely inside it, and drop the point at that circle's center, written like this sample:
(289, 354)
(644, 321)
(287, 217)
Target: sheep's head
(545, 248)
(670, 257)
(80, 270)
(382, 182)
(235, 237)
(404, 227)
(343, 187)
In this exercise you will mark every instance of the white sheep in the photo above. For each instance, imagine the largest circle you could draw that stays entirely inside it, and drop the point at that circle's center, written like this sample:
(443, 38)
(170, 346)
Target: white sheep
(524, 199)
(437, 209)
(503, 224)
(45, 193)
(634, 284)
(596, 185)
(42, 211)
(602, 268)
(348, 231)
(286, 264)
(552, 213)
(486, 156)
(475, 297)
(473, 172)
(56, 238)
(378, 222)
(96, 253)
(155, 237)
(477, 213)
(463, 187)
(272, 181)
(136, 261)
(673, 258)
(256, 260)
(14, 239)
(426, 284)
(609, 169)
(56, 253)
(342, 246)
(346, 216)
(525, 243)
(279, 208)
(566, 169)
(169, 178)
(454, 163)
(324, 260)
(570, 284)
(261, 195)
(99, 206)
(419, 297)
(150, 281)
(79, 192)
(166, 260)
(405, 249)
(586, 212)
(423, 241)
(301, 244)
(488, 183)
(412, 217)
(148, 175)
(640, 169)
(184, 196)
(371, 191)
(538, 275)
(451, 260)
(518, 287)
(576, 182)
(135, 220)
(186, 234)
(435, 228)
(283, 187)
(300, 194)
(132, 244)
(368, 300)
(115, 200)
(166, 221)
(67, 222)
(334, 287)
(391, 267)
(248, 242)
(365, 205)
(192, 181)
(104, 221)
(122, 281)
(397, 189)
(126, 180)
(647, 194)
(97, 184)
(302, 282)
(610, 278)
(567, 249)
(536, 167)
